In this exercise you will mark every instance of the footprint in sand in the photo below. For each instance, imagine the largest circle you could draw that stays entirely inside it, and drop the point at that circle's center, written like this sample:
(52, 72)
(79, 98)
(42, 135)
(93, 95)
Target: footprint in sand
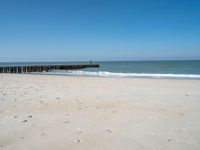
(79, 130)
(170, 140)
(109, 131)
(77, 141)
(114, 111)
(78, 101)
(181, 114)
(41, 102)
(24, 120)
(43, 134)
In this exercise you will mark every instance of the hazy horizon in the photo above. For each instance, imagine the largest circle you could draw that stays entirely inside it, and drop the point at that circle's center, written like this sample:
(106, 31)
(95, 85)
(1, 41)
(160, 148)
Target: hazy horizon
(99, 60)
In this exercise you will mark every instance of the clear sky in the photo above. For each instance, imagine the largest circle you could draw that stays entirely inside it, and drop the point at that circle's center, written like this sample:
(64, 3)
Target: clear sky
(75, 30)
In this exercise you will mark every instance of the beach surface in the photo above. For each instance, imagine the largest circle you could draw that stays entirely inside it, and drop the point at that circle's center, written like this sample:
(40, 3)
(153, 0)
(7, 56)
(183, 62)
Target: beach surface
(49, 112)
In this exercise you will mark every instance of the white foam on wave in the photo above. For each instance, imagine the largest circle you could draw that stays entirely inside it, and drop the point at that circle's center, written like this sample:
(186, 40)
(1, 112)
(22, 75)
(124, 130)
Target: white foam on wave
(128, 75)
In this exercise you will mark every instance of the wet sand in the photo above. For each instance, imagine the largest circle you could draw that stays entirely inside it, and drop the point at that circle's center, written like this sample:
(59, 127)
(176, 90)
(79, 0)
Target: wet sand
(47, 112)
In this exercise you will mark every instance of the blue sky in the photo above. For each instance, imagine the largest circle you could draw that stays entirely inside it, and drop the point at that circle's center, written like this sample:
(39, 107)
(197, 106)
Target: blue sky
(75, 30)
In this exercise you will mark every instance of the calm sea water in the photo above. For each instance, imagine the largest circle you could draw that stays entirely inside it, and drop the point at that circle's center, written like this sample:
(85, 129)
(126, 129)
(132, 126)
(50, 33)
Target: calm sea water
(155, 69)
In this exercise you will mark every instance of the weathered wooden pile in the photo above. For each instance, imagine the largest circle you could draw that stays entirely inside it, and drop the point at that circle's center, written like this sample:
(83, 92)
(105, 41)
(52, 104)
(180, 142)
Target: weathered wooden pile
(42, 68)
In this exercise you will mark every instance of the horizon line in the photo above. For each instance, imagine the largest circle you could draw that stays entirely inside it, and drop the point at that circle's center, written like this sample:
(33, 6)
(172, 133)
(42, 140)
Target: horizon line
(100, 60)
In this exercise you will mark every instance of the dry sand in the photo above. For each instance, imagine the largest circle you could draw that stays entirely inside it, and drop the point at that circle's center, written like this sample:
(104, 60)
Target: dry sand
(46, 112)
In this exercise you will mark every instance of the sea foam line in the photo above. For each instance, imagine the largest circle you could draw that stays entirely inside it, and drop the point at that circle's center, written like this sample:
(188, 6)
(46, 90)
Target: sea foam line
(128, 75)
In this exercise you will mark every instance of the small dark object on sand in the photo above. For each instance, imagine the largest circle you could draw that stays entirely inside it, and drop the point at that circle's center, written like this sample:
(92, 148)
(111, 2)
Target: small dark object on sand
(30, 116)
(24, 120)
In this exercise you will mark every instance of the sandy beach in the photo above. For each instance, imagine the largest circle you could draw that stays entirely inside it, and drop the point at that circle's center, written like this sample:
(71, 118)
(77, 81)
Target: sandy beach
(48, 112)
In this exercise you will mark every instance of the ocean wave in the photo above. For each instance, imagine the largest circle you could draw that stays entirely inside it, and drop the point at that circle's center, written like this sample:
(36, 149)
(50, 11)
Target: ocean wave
(125, 75)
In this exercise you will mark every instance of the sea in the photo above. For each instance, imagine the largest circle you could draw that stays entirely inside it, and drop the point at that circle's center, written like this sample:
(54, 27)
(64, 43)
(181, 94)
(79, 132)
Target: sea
(189, 69)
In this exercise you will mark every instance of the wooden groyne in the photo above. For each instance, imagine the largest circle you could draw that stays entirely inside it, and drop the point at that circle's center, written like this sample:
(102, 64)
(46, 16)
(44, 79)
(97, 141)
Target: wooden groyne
(44, 68)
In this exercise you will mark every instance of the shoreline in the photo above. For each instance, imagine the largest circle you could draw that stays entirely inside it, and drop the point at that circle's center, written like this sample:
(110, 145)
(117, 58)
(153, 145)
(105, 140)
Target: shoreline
(91, 76)
(71, 112)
